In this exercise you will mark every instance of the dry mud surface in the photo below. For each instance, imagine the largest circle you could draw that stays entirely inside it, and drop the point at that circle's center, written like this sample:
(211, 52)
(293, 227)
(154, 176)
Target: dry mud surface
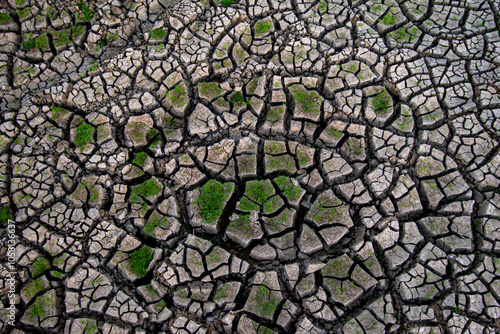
(286, 166)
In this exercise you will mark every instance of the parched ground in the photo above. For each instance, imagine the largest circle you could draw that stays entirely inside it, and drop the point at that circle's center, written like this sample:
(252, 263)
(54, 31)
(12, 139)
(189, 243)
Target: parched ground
(270, 166)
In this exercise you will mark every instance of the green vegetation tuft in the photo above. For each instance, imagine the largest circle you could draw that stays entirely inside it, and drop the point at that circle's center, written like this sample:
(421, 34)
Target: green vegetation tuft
(33, 287)
(351, 66)
(5, 215)
(5, 18)
(274, 115)
(178, 95)
(171, 123)
(40, 265)
(228, 3)
(84, 135)
(57, 112)
(263, 26)
(37, 309)
(140, 158)
(223, 291)
(388, 19)
(265, 303)
(30, 43)
(87, 13)
(256, 194)
(288, 188)
(91, 328)
(209, 89)
(61, 37)
(77, 30)
(23, 13)
(354, 146)
(238, 100)
(154, 221)
(306, 100)
(140, 260)
(334, 133)
(148, 188)
(211, 199)
(327, 210)
(158, 33)
(381, 102)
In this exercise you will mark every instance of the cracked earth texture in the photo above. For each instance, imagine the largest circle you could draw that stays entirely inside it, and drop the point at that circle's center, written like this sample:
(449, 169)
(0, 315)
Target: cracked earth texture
(270, 166)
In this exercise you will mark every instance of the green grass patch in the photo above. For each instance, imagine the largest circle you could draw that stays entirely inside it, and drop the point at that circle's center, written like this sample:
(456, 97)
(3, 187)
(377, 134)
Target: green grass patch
(323, 213)
(256, 194)
(157, 140)
(388, 19)
(91, 328)
(37, 309)
(5, 215)
(306, 100)
(140, 260)
(40, 265)
(33, 287)
(351, 66)
(153, 221)
(240, 223)
(5, 18)
(237, 99)
(137, 130)
(354, 146)
(274, 115)
(52, 13)
(178, 95)
(334, 133)
(158, 33)
(228, 3)
(61, 37)
(211, 199)
(172, 123)
(84, 135)
(209, 89)
(265, 303)
(223, 291)
(77, 30)
(263, 26)
(30, 43)
(140, 158)
(87, 13)
(148, 188)
(287, 187)
(23, 13)
(381, 102)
